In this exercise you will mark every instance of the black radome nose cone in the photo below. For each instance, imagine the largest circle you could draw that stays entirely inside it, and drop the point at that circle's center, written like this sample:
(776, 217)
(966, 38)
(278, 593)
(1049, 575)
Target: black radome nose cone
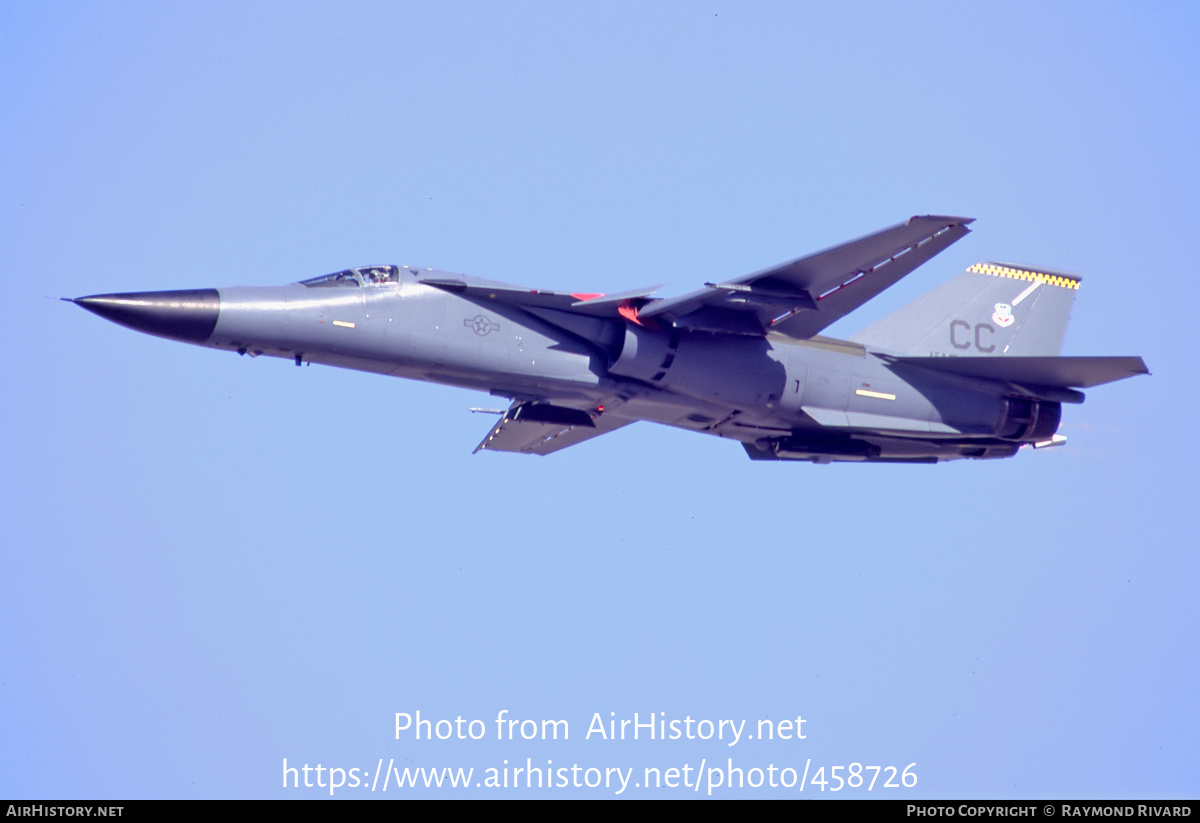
(189, 315)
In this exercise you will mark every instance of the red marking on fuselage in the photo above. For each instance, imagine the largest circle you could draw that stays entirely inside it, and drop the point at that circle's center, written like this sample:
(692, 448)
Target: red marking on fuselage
(587, 295)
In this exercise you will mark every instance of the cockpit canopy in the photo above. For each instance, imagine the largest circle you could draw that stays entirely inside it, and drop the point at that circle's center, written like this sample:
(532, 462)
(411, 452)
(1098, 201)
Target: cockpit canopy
(362, 276)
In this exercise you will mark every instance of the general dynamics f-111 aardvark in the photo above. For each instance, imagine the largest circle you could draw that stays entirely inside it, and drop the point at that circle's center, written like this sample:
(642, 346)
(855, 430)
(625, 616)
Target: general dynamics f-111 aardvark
(971, 369)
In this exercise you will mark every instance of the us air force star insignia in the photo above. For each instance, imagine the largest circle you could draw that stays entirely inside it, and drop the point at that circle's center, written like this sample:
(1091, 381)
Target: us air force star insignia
(1003, 316)
(481, 324)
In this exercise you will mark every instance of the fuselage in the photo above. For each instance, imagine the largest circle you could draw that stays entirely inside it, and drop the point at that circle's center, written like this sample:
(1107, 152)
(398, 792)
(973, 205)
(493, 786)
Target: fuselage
(780, 397)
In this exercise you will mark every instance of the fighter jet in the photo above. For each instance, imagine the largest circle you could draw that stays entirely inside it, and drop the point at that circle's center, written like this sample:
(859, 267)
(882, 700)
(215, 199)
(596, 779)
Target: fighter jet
(970, 370)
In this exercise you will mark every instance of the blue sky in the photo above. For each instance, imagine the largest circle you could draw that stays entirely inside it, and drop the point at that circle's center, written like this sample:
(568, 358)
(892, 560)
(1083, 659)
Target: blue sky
(212, 563)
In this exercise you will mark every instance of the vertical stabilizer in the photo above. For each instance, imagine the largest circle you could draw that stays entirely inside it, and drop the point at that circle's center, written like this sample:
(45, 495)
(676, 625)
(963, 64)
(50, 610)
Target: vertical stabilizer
(991, 309)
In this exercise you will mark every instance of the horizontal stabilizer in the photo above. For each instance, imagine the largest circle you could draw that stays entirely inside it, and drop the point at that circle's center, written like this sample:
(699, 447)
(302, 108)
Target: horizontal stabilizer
(1058, 372)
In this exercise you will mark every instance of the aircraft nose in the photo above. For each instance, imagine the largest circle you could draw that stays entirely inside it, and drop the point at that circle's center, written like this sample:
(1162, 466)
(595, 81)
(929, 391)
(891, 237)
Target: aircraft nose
(189, 315)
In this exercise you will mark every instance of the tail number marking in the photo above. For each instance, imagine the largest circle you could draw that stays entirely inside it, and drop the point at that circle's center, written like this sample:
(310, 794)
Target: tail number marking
(965, 327)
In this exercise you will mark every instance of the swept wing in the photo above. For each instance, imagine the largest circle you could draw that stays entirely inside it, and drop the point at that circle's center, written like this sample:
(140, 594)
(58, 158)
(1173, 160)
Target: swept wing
(800, 298)
(796, 299)
(537, 427)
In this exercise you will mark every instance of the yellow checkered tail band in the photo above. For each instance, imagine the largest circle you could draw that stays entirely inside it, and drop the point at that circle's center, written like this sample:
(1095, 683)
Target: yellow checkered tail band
(1062, 281)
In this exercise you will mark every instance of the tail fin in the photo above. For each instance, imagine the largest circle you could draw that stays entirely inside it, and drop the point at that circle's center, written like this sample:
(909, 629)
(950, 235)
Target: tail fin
(990, 309)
